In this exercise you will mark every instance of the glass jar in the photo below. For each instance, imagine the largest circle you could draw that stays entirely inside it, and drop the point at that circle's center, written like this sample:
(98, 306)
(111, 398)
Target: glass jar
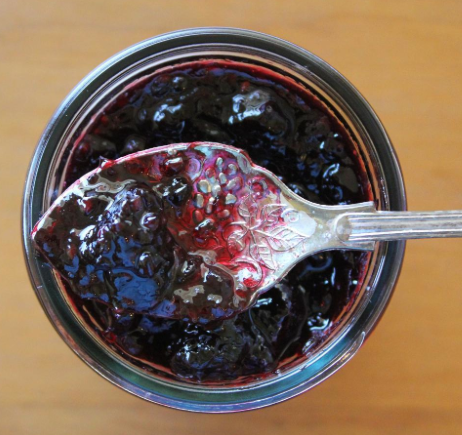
(44, 182)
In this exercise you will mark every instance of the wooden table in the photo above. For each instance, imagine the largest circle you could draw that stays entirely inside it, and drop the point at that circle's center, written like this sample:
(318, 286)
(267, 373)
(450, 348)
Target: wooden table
(405, 57)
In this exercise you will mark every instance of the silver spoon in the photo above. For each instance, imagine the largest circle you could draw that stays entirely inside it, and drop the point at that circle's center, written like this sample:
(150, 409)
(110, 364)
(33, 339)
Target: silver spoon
(243, 221)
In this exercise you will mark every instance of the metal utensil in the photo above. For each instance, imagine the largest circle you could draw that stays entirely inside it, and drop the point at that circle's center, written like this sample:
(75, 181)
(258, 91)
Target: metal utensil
(242, 219)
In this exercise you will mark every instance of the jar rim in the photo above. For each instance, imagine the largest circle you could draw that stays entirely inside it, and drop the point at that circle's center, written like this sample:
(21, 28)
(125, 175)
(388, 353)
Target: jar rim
(186, 397)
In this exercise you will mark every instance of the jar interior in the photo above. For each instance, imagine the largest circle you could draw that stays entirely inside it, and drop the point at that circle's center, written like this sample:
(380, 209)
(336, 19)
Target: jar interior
(340, 110)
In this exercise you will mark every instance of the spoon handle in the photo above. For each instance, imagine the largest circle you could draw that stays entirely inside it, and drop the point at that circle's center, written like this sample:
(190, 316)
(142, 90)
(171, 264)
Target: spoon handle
(391, 225)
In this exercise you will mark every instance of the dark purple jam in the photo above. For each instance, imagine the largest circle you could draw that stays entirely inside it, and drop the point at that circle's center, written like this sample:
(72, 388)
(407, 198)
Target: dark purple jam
(284, 128)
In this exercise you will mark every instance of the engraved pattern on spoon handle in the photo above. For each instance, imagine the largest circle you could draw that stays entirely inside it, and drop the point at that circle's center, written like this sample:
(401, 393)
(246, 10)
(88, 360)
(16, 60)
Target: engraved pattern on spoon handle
(389, 225)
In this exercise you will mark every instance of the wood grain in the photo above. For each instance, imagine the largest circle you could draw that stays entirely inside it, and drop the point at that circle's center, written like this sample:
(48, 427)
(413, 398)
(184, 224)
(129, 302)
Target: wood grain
(405, 57)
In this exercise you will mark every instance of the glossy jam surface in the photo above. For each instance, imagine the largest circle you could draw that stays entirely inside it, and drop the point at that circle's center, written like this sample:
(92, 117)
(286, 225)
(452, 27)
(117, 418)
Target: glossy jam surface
(284, 128)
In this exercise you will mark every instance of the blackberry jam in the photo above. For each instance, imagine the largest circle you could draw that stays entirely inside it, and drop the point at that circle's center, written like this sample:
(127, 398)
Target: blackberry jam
(285, 128)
